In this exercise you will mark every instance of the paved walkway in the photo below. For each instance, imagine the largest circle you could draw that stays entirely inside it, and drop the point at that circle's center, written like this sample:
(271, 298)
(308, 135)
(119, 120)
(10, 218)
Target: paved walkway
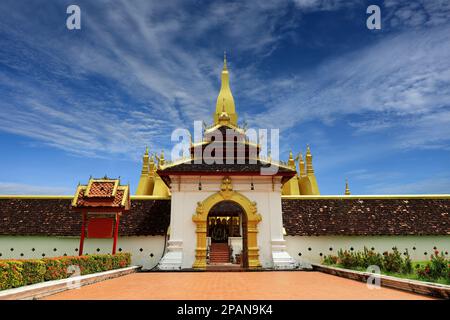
(231, 285)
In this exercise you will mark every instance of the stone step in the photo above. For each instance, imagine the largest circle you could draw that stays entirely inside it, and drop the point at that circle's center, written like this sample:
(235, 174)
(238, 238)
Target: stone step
(219, 259)
(219, 253)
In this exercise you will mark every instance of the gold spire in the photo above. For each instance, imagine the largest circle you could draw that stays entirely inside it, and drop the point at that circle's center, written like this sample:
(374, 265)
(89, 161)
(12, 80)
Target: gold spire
(145, 185)
(151, 166)
(291, 161)
(161, 161)
(301, 164)
(309, 166)
(160, 188)
(224, 60)
(145, 162)
(225, 100)
(307, 181)
(347, 189)
(291, 187)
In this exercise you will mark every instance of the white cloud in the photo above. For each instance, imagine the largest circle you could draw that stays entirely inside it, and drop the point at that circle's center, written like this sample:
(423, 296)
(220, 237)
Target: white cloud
(26, 189)
(416, 14)
(433, 185)
(324, 5)
(149, 57)
(400, 82)
(156, 53)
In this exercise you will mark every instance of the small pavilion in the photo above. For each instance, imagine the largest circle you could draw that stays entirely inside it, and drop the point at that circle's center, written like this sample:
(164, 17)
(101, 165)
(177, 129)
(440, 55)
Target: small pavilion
(101, 203)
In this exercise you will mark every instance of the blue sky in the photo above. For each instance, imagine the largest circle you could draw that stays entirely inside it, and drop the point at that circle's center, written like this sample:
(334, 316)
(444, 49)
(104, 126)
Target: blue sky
(373, 104)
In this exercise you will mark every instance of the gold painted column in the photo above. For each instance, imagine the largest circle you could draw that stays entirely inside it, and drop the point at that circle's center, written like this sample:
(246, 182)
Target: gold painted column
(200, 251)
(252, 244)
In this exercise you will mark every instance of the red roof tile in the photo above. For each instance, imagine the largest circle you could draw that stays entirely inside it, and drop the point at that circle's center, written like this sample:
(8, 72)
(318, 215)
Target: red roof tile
(104, 193)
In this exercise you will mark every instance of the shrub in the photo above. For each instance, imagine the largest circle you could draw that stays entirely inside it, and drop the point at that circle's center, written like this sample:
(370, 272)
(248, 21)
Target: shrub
(16, 273)
(11, 274)
(424, 272)
(392, 261)
(33, 271)
(371, 258)
(437, 267)
(55, 269)
(347, 259)
(407, 267)
(330, 260)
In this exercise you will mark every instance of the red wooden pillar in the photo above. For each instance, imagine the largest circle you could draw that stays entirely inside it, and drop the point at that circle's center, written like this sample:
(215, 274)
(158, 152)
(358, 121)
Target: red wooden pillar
(83, 232)
(116, 233)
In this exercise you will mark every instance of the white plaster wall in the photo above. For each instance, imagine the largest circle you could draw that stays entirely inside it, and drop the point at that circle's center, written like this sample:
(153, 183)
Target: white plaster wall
(185, 196)
(154, 245)
(322, 244)
(236, 245)
(22, 247)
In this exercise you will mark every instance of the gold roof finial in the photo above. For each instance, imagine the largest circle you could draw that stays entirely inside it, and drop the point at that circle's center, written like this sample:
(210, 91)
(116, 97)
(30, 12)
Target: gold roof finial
(309, 165)
(225, 100)
(145, 162)
(162, 161)
(146, 150)
(151, 165)
(224, 60)
(291, 161)
(347, 189)
(301, 165)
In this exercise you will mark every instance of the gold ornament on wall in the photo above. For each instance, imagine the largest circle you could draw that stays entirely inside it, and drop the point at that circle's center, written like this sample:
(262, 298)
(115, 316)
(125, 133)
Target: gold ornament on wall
(226, 188)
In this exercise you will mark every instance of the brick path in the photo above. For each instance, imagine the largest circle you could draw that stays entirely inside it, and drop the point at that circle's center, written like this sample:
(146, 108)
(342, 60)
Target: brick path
(231, 285)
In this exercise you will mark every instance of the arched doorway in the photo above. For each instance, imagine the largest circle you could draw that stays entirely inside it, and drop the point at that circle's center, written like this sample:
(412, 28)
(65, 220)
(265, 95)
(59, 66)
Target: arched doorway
(227, 234)
(200, 218)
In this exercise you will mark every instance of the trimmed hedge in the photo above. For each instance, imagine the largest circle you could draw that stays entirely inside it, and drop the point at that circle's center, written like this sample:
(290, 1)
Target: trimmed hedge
(17, 273)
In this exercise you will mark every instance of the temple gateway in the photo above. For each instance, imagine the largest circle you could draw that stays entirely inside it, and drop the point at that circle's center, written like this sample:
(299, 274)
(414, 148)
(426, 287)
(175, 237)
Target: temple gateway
(218, 209)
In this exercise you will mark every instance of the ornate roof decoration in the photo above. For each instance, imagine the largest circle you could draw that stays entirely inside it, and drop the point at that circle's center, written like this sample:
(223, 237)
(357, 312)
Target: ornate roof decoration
(102, 193)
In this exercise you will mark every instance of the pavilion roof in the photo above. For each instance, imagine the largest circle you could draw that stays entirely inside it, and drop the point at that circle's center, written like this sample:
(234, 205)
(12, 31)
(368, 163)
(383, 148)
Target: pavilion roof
(102, 193)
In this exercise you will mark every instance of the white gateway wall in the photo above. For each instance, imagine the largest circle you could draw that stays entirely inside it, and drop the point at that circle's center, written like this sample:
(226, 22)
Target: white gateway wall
(313, 249)
(185, 196)
(145, 251)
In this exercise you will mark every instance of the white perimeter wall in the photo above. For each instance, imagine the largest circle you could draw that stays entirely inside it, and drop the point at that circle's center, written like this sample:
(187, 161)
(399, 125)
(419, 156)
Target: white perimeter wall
(141, 248)
(321, 245)
(154, 245)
